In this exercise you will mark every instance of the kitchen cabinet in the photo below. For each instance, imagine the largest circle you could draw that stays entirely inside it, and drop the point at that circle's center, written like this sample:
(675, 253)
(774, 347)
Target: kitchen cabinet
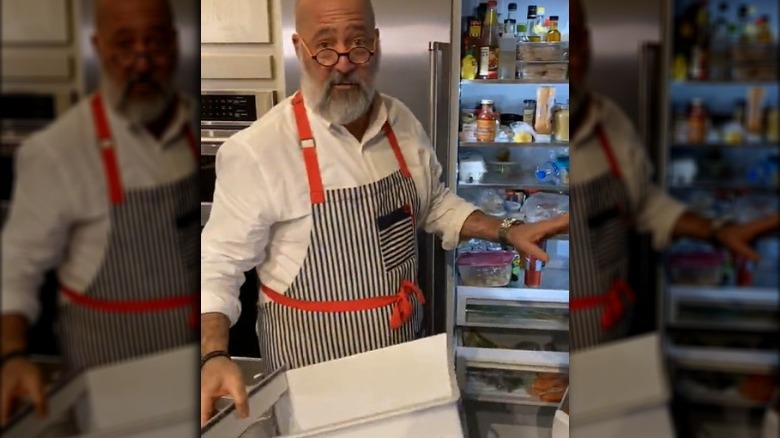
(35, 22)
(235, 21)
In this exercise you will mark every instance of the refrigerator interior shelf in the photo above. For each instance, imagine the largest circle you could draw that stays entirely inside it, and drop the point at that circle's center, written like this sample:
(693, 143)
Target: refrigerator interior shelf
(723, 359)
(715, 397)
(758, 145)
(519, 360)
(724, 185)
(507, 144)
(512, 81)
(714, 325)
(725, 295)
(519, 184)
(730, 83)
(513, 308)
(519, 397)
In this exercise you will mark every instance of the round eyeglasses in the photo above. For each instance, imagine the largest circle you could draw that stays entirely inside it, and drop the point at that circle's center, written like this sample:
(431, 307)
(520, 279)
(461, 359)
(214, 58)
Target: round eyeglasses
(329, 57)
(157, 51)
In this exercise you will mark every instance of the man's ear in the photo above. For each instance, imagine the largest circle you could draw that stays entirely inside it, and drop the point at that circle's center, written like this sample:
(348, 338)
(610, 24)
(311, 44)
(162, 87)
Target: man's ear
(296, 40)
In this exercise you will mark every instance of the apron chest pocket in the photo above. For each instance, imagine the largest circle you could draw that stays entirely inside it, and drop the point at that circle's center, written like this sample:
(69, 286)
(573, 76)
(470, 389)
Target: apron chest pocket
(397, 237)
(608, 234)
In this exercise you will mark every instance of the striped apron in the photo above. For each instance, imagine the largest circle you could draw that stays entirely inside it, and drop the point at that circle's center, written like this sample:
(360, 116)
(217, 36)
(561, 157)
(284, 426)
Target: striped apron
(356, 290)
(600, 298)
(145, 291)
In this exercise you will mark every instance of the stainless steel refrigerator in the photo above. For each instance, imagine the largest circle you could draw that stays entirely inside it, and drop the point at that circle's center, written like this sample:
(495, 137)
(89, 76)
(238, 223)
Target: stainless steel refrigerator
(421, 56)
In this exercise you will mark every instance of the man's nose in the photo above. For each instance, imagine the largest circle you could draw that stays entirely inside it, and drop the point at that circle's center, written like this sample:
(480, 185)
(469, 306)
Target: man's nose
(344, 65)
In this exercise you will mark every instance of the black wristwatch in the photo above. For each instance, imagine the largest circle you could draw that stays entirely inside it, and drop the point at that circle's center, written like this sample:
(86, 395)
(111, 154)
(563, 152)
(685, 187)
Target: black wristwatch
(12, 355)
(212, 355)
(503, 229)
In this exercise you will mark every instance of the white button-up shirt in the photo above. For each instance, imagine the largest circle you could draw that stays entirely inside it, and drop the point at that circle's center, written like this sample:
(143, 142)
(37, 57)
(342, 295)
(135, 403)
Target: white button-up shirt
(655, 211)
(262, 215)
(59, 216)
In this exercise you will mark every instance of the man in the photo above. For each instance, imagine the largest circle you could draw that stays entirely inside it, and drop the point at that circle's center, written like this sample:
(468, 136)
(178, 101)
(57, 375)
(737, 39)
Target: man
(324, 196)
(107, 195)
(611, 193)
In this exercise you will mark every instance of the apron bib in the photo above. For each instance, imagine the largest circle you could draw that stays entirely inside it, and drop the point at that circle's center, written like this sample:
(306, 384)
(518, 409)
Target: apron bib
(601, 299)
(142, 296)
(357, 289)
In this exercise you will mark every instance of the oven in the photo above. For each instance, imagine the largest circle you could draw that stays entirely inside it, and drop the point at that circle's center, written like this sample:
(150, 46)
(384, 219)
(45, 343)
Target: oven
(222, 114)
(23, 113)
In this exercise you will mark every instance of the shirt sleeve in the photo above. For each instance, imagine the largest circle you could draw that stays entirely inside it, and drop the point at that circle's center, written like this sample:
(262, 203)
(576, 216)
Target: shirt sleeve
(656, 211)
(447, 212)
(36, 232)
(237, 232)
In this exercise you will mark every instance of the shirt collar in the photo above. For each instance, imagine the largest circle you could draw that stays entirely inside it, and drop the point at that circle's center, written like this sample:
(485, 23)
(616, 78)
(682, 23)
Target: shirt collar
(182, 116)
(379, 115)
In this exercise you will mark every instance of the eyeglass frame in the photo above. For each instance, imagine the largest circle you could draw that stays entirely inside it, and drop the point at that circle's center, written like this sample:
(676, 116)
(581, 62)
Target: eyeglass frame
(371, 53)
(152, 54)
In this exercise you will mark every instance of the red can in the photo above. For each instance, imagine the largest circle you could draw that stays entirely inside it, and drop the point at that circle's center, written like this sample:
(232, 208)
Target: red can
(533, 271)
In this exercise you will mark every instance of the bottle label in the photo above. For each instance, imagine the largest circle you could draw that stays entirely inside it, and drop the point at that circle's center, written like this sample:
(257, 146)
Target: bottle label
(484, 61)
(486, 130)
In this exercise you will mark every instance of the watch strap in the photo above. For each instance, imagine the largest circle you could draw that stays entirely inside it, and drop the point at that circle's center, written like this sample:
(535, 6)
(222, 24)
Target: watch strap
(12, 355)
(212, 355)
(503, 229)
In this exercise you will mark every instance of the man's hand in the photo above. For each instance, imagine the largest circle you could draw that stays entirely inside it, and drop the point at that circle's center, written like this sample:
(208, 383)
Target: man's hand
(738, 237)
(525, 238)
(21, 381)
(221, 377)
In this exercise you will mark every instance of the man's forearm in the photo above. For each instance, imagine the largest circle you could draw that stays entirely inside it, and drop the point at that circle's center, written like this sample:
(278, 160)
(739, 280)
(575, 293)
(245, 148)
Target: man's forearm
(214, 332)
(692, 225)
(480, 226)
(14, 335)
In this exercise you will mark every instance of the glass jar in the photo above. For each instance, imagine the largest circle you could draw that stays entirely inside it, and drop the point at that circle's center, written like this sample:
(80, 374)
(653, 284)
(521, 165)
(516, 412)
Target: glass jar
(697, 122)
(487, 122)
(561, 123)
(529, 108)
(545, 99)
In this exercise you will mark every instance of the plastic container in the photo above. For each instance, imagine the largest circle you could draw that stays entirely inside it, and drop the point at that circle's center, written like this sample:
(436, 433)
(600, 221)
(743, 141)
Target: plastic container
(534, 51)
(486, 268)
(543, 70)
(696, 268)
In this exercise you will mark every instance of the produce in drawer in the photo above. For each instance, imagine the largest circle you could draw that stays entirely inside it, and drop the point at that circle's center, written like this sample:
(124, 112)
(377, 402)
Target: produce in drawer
(549, 387)
(758, 387)
(476, 340)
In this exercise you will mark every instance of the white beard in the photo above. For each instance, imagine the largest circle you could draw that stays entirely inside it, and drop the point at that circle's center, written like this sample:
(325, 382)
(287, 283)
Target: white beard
(337, 106)
(136, 111)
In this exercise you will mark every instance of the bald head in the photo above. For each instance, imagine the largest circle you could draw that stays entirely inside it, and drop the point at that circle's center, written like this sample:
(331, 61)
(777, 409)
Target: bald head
(108, 12)
(310, 13)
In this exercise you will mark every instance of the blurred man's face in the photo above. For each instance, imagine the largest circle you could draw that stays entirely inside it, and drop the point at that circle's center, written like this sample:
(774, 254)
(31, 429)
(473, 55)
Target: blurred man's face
(343, 92)
(137, 46)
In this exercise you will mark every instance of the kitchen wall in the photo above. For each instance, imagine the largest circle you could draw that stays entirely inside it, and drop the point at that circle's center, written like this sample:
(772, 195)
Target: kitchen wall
(241, 45)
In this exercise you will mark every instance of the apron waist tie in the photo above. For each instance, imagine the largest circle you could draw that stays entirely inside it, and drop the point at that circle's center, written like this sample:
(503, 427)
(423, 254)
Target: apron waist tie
(402, 305)
(612, 302)
(136, 306)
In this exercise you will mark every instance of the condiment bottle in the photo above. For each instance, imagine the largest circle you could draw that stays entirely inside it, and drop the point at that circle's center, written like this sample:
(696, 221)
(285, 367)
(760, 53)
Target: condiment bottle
(697, 122)
(545, 97)
(561, 123)
(773, 125)
(553, 35)
(486, 122)
(529, 108)
(488, 49)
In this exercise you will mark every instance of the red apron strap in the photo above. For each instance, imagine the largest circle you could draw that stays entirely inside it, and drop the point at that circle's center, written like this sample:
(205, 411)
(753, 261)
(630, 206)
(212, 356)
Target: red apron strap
(611, 303)
(402, 309)
(308, 146)
(138, 306)
(191, 141)
(396, 149)
(605, 146)
(107, 151)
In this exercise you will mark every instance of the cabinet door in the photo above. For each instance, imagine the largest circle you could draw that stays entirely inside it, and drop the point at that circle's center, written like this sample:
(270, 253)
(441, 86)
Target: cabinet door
(35, 21)
(234, 21)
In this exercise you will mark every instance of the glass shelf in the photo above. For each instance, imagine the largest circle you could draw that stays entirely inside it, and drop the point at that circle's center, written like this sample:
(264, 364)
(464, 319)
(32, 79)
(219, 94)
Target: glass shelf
(470, 144)
(758, 145)
(512, 81)
(519, 183)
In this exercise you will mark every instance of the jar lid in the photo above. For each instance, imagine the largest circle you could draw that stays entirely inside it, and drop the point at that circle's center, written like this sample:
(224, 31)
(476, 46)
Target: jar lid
(529, 101)
(486, 102)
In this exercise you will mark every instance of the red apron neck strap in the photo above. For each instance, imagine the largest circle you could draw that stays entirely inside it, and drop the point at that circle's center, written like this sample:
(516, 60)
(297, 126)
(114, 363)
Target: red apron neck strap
(107, 151)
(607, 148)
(309, 148)
(390, 134)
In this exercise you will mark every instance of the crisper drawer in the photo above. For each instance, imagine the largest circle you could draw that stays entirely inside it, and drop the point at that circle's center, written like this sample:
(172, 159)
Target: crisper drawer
(539, 309)
(531, 378)
(735, 309)
(726, 389)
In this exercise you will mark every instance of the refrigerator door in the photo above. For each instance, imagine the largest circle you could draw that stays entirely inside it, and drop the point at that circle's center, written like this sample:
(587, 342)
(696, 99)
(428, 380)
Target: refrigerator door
(415, 68)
